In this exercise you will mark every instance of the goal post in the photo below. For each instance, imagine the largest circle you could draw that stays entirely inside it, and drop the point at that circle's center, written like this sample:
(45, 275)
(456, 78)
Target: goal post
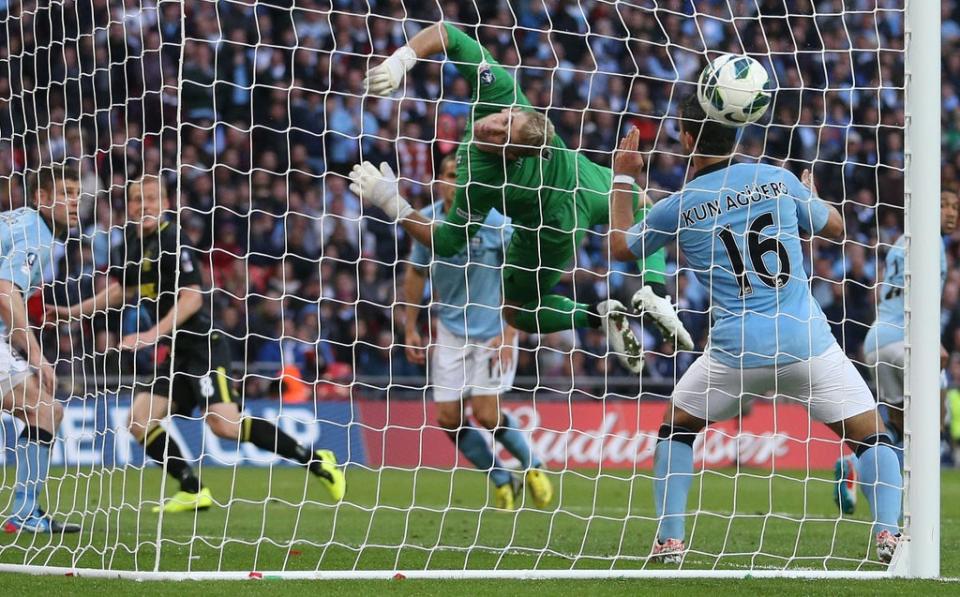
(922, 197)
(260, 111)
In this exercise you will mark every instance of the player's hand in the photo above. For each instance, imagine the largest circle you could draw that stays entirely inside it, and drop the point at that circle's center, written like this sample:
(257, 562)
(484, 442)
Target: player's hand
(627, 159)
(806, 177)
(386, 77)
(415, 351)
(503, 355)
(138, 340)
(48, 377)
(379, 188)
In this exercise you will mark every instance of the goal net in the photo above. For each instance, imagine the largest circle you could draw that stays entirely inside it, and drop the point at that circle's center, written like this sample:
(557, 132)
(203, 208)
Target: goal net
(252, 114)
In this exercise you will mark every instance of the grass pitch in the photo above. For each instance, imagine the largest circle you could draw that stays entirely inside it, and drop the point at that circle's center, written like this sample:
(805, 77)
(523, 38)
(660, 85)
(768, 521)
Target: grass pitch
(280, 519)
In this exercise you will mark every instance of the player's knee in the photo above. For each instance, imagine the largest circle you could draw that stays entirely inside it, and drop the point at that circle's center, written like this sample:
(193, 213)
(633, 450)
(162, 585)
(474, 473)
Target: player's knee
(224, 428)
(489, 418)
(56, 413)
(449, 420)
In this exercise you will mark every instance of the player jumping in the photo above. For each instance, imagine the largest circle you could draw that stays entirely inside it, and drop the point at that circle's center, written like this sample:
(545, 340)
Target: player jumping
(511, 160)
(166, 279)
(27, 384)
(883, 347)
(473, 359)
(738, 226)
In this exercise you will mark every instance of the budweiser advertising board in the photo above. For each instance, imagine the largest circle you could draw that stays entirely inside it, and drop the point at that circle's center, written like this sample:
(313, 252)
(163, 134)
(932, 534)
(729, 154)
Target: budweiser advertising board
(618, 435)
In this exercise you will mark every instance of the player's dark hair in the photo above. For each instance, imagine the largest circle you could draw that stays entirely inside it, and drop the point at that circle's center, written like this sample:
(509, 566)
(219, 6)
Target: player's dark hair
(710, 137)
(44, 178)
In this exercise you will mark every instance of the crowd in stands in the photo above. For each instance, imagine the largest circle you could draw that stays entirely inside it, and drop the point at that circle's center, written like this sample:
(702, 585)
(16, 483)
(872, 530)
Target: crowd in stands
(253, 112)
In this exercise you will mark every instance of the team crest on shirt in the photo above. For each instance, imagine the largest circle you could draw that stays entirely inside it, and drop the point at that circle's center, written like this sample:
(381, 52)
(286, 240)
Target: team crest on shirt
(486, 74)
(27, 267)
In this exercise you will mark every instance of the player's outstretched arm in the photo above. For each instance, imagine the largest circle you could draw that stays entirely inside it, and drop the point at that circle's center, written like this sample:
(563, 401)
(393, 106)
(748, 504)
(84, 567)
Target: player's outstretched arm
(834, 228)
(109, 296)
(189, 301)
(387, 77)
(627, 168)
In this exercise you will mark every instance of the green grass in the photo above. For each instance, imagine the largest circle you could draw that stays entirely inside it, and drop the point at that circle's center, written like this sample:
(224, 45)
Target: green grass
(281, 520)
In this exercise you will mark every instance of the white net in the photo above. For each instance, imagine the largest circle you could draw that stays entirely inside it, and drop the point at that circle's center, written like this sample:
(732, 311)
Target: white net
(308, 307)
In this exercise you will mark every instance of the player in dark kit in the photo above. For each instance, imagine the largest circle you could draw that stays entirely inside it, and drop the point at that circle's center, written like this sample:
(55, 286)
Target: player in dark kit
(165, 278)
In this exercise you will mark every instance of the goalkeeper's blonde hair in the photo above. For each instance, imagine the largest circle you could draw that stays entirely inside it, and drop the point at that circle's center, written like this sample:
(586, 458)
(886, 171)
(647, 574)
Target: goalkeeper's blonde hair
(535, 133)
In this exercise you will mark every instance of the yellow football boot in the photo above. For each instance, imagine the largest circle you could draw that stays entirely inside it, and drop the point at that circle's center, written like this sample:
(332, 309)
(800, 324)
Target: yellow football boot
(541, 489)
(325, 468)
(187, 502)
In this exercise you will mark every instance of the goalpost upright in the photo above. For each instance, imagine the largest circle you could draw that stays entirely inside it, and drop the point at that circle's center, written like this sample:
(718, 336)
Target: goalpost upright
(922, 203)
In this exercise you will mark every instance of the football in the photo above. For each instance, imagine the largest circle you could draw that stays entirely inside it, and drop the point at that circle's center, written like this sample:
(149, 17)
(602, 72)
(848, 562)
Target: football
(734, 89)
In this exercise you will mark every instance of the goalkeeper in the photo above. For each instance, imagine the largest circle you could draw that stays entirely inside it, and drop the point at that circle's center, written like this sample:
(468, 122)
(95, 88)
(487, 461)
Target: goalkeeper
(166, 279)
(511, 160)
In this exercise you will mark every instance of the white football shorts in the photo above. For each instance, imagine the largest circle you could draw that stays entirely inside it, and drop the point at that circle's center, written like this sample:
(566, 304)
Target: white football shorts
(828, 385)
(459, 369)
(13, 369)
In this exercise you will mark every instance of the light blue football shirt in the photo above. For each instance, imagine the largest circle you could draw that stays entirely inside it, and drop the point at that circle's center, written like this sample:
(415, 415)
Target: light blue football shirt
(469, 285)
(26, 245)
(738, 226)
(890, 325)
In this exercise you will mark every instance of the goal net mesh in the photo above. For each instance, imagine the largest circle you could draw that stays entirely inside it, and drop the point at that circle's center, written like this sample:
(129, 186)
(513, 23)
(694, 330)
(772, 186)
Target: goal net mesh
(252, 112)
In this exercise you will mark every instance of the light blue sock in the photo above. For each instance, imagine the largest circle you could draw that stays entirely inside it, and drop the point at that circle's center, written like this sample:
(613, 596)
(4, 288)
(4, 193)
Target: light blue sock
(882, 485)
(33, 464)
(474, 446)
(514, 440)
(673, 471)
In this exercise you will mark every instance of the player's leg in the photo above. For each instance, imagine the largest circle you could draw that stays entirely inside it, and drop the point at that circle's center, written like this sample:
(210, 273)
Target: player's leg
(534, 264)
(493, 371)
(23, 396)
(708, 391)
(146, 413)
(840, 398)
(224, 419)
(448, 378)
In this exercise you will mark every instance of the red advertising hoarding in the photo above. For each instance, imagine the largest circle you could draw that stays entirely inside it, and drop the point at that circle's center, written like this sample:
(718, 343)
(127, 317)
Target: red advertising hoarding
(613, 435)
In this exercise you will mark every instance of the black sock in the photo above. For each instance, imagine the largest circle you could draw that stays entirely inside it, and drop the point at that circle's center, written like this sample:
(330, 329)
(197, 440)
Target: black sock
(267, 436)
(173, 462)
(35, 434)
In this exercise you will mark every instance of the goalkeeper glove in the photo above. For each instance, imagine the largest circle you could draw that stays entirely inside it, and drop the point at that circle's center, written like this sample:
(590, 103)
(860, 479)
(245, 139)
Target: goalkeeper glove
(379, 188)
(661, 312)
(384, 78)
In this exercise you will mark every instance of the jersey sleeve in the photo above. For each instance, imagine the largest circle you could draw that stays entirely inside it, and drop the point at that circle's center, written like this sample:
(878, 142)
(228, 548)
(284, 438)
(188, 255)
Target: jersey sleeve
(658, 227)
(480, 188)
(419, 256)
(488, 80)
(16, 262)
(188, 263)
(812, 211)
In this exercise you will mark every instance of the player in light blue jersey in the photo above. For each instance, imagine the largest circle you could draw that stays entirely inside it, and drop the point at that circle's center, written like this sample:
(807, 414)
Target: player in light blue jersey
(27, 381)
(739, 227)
(883, 348)
(473, 356)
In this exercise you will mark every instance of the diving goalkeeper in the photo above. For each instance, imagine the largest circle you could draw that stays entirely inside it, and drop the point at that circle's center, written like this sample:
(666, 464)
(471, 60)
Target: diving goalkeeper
(511, 160)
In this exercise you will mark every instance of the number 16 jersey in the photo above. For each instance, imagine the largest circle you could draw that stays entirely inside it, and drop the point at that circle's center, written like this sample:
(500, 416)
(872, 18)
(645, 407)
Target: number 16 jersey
(738, 227)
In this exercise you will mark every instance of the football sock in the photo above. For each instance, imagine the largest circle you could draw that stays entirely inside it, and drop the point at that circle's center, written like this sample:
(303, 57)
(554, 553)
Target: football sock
(33, 463)
(168, 454)
(673, 475)
(267, 436)
(882, 482)
(553, 313)
(475, 447)
(515, 441)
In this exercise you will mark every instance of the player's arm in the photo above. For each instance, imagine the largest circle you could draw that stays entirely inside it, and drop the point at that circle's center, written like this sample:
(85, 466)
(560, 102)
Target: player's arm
(379, 187)
(627, 167)
(466, 54)
(189, 301)
(414, 283)
(110, 296)
(13, 311)
(815, 215)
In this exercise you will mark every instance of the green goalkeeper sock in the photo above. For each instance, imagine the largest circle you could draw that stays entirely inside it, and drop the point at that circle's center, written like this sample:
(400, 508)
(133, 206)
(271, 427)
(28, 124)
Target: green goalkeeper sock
(553, 313)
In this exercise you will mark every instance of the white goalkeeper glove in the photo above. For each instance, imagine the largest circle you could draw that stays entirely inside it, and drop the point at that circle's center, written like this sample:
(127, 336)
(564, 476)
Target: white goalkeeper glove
(379, 187)
(386, 77)
(663, 315)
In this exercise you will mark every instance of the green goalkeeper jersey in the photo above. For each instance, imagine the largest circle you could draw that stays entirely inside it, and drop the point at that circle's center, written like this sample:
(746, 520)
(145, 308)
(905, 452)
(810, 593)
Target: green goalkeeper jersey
(558, 192)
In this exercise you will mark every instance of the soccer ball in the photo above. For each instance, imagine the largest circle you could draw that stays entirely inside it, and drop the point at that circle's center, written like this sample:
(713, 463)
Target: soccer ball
(732, 89)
